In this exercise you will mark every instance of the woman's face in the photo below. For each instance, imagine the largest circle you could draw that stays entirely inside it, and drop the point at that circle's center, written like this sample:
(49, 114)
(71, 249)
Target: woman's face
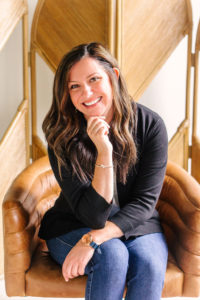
(90, 89)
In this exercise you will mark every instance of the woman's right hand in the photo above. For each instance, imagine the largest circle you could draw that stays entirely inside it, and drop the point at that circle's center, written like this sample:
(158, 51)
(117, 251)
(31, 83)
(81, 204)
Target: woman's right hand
(97, 130)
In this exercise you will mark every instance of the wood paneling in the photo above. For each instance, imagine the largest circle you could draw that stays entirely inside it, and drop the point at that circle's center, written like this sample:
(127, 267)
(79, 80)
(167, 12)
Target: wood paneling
(12, 156)
(195, 134)
(60, 25)
(196, 158)
(11, 11)
(178, 146)
(14, 146)
(142, 36)
(150, 31)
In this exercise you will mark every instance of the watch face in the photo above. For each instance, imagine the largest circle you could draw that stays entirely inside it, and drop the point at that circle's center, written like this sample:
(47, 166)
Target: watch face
(86, 239)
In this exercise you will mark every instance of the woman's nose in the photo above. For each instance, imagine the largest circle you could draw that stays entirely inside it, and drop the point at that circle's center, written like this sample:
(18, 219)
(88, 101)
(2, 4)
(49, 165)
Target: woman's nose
(87, 91)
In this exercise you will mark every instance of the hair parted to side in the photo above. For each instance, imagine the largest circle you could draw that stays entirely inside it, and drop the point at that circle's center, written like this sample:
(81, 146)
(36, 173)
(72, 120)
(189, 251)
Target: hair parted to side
(65, 127)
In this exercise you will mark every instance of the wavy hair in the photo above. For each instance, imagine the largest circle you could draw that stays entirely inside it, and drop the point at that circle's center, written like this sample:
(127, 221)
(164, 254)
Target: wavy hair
(65, 127)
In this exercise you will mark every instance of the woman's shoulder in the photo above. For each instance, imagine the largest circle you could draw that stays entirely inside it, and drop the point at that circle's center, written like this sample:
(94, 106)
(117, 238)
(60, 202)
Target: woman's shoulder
(149, 122)
(146, 114)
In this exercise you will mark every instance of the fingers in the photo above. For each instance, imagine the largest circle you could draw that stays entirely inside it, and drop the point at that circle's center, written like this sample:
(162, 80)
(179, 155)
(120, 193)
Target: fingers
(73, 271)
(97, 125)
(69, 272)
(76, 261)
(74, 268)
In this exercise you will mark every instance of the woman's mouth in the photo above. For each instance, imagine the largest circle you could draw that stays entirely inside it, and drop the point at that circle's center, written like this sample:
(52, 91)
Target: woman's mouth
(92, 102)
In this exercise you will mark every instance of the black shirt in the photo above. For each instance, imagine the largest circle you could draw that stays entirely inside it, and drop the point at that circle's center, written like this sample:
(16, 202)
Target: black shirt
(79, 205)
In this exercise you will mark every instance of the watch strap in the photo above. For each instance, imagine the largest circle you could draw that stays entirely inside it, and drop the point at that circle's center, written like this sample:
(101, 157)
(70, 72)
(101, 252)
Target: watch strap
(95, 247)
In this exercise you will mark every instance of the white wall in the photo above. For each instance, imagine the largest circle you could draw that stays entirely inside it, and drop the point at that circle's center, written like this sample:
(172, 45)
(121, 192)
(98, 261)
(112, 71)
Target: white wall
(166, 94)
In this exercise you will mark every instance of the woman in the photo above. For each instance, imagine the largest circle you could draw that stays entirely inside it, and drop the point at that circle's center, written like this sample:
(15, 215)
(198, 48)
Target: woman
(109, 156)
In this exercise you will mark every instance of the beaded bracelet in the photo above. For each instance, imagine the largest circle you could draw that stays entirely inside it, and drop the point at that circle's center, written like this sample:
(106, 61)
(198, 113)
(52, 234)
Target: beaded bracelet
(103, 166)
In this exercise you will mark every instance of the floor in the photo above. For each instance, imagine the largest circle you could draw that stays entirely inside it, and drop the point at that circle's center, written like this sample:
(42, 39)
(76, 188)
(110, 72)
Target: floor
(4, 297)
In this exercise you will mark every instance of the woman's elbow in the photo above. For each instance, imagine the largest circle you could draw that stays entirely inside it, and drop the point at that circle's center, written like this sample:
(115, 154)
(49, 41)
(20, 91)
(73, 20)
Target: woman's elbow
(95, 223)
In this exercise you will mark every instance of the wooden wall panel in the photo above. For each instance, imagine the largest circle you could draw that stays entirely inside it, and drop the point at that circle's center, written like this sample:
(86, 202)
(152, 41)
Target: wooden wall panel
(146, 33)
(11, 12)
(196, 158)
(178, 146)
(14, 146)
(59, 26)
(195, 133)
(150, 31)
(12, 156)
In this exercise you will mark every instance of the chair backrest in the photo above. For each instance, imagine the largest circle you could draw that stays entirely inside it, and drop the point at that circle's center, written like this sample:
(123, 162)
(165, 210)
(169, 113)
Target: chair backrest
(31, 194)
(179, 210)
(35, 190)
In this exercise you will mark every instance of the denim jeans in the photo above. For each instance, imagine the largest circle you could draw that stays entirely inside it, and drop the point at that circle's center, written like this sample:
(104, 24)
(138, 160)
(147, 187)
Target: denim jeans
(138, 263)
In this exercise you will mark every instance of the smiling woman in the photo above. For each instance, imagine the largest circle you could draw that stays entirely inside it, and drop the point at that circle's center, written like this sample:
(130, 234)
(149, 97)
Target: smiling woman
(109, 157)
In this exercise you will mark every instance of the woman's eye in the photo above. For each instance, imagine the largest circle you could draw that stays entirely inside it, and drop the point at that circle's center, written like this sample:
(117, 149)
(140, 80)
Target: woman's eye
(73, 86)
(93, 79)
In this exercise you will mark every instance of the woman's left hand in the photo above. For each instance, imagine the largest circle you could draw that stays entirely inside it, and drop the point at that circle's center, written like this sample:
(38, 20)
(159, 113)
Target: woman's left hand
(76, 261)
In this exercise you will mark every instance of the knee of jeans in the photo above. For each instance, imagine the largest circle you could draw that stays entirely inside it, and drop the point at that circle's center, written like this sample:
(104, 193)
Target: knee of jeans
(153, 267)
(115, 253)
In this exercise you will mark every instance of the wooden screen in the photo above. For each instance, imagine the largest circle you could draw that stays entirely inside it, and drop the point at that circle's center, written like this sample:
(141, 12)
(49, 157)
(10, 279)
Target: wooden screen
(195, 134)
(57, 27)
(14, 146)
(140, 33)
(147, 33)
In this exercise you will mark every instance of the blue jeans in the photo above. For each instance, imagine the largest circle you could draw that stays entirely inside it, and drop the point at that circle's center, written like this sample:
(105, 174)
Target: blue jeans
(139, 264)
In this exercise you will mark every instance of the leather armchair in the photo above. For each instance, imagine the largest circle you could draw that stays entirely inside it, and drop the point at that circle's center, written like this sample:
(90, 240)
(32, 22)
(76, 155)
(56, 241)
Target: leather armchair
(30, 271)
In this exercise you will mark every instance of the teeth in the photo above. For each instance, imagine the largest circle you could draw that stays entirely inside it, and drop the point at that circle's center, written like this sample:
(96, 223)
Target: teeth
(92, 102)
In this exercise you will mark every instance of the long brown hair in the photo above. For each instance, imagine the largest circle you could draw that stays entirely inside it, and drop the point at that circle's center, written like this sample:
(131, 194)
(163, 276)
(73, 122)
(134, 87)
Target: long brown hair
(65, 127)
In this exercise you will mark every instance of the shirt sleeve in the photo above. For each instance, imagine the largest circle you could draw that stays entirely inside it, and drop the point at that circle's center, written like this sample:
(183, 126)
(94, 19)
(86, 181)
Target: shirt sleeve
(84, 202)
(147, 184)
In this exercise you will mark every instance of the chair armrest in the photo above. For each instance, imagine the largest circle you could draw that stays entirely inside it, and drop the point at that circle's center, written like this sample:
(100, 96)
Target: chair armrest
(179, 209)
(23, 208)
(17, 242)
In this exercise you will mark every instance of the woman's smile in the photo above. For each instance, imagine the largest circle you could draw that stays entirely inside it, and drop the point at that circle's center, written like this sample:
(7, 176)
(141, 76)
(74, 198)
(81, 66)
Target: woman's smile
(93, 102)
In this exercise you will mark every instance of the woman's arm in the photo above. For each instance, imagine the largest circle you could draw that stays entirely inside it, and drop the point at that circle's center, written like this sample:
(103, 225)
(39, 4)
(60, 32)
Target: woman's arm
(77, 259)
(89, 202)
(102, 182)
(109, 232)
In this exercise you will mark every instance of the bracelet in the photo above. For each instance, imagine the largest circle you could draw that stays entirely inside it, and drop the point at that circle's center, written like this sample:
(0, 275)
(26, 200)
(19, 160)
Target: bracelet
(103, 166)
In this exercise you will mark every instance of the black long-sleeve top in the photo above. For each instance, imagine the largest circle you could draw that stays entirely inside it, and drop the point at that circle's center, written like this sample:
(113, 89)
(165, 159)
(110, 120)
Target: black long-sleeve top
(79, 205)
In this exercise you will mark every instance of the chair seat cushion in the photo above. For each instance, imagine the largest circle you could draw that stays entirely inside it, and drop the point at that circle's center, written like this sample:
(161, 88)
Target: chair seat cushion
(44, 279)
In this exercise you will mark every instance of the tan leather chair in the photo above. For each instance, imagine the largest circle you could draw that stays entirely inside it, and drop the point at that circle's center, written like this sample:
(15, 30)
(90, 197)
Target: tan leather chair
(29, 271)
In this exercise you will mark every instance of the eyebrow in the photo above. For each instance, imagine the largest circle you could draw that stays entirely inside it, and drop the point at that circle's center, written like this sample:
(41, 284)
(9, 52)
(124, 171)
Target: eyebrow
(86, 77)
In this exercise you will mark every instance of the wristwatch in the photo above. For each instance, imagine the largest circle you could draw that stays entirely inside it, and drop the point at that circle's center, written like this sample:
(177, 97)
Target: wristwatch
(88, 241)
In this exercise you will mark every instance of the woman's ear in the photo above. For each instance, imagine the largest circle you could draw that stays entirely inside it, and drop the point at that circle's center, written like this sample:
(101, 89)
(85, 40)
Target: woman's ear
(116, 70)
